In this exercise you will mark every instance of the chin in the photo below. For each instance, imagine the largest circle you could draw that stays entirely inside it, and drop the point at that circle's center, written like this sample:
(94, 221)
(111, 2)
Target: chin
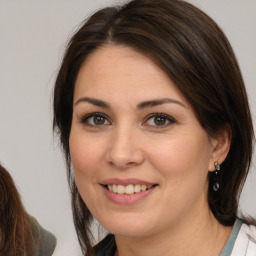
(127, 226)
(131, 231)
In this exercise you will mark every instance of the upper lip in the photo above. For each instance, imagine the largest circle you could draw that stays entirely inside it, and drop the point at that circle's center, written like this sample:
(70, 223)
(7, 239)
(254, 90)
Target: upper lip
(125, 182)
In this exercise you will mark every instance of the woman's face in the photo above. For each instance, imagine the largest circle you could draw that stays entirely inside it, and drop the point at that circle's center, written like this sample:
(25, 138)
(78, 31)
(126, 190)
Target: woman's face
(140, 156)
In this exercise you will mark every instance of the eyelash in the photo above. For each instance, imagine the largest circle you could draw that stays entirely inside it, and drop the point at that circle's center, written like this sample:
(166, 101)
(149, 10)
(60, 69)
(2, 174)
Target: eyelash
(85, 120)
(166, 118)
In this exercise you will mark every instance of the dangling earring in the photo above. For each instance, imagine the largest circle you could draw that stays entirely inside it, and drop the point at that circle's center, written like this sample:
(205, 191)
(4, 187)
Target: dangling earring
(216, 184)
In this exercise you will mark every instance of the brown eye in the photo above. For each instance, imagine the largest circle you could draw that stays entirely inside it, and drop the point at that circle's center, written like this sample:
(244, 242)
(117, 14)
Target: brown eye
(95, 119)
(159, 120)
(99, 120)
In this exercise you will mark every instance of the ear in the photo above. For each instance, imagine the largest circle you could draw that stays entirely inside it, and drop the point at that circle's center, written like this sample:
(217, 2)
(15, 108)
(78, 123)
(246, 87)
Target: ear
(221, 145)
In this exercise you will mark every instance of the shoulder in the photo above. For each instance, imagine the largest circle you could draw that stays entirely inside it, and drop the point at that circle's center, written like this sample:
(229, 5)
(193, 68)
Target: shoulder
(45, 241)
(246, 241)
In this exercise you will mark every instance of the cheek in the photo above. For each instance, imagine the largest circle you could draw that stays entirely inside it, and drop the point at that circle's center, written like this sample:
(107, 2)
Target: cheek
(182, 163)
(85, 154)
(85, 157)
(182, 156)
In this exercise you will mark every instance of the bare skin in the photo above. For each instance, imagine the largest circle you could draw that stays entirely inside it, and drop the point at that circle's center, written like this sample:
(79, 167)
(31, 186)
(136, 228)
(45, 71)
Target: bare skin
(204, 237)
(132, 126)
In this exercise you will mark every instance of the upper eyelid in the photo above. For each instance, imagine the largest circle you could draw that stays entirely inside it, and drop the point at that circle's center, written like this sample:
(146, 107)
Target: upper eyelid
(95, 114)
(86, 116)
(152, 115)
(161, 115)
(168, 117)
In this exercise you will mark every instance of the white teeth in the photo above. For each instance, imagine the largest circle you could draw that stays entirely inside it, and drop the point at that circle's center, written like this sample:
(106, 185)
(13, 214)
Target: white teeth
(137, 188)
(114, 187)
(143, 187)
(129, 189)
(120, 189)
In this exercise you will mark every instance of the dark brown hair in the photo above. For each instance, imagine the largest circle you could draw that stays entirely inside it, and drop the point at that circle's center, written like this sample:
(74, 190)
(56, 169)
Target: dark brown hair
(191, 48)
(15, 228)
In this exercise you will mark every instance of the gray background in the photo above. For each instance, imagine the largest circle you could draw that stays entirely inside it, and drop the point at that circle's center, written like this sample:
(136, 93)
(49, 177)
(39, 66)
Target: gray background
(33, 35)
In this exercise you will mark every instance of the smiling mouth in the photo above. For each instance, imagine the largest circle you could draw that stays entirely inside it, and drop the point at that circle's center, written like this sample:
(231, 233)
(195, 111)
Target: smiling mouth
(129, 189)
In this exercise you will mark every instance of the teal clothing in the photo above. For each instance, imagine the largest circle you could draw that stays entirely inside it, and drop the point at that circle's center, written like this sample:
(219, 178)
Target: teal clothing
(44, 241)
(227, 250)
(245, 242)
(241, 242)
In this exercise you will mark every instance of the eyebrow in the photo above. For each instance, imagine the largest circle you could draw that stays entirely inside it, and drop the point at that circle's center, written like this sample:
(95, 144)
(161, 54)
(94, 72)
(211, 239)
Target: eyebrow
(140, 106)
(156, 102)
(93, 101)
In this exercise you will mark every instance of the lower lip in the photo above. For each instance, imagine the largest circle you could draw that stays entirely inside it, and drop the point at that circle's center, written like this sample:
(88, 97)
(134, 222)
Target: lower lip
(124, 199)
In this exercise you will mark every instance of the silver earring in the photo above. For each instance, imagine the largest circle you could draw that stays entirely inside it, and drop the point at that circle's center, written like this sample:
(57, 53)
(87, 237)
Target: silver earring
(217, 166)
(216, 184)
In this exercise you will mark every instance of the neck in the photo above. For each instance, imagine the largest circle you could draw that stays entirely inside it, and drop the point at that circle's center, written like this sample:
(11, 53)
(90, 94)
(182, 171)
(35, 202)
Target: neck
(200, 235)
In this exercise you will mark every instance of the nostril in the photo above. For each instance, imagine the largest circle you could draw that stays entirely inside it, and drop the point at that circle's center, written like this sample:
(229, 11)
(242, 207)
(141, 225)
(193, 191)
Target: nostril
(122, 164)
(124, 154)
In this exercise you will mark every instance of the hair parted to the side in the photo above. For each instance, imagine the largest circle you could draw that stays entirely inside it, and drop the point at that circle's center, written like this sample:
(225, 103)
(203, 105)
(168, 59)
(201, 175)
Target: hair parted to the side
(197, 56)
(15, 228)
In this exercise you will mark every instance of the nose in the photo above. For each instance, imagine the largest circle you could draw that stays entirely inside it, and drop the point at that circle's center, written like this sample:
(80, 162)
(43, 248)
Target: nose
(125, 149)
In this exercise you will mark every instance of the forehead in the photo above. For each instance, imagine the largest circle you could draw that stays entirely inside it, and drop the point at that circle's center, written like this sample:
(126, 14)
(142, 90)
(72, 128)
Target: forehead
(120, 70)
(113, 60)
